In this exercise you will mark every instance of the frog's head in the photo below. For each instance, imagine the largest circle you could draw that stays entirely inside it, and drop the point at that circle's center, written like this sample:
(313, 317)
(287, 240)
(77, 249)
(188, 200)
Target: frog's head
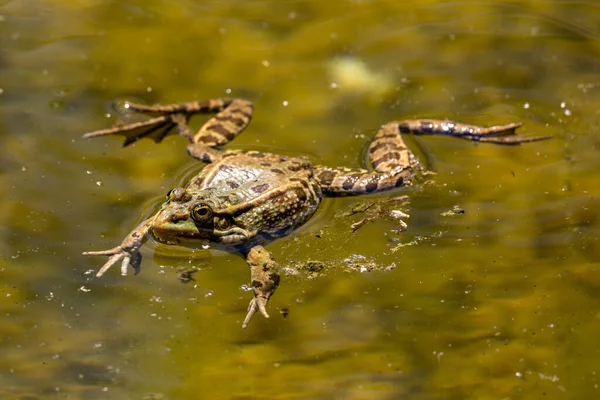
(189, 216)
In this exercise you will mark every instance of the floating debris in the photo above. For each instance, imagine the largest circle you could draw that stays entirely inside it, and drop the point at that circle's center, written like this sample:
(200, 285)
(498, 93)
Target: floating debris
(456, 210)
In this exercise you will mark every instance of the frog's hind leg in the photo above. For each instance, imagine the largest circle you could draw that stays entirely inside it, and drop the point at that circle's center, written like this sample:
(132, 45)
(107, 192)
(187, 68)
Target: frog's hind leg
(390, 158)
(154, 128)
(499, 134)
(233, 115)
(393, 161)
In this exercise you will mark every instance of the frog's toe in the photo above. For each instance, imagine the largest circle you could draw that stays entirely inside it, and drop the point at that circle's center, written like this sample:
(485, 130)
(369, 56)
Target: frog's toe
(124, 265)
(262, 305)
(258, 303)
(109, 252)
(112, 261)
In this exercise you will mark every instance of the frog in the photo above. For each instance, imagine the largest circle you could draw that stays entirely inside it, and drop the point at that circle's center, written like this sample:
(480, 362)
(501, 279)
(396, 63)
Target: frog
(243, 199)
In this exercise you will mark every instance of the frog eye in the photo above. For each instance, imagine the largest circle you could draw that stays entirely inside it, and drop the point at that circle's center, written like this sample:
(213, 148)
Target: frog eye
(179, 195)
(202, 213)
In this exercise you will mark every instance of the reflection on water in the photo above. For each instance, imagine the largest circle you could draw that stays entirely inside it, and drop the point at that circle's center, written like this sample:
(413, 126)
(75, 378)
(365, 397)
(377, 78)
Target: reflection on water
(497, 302)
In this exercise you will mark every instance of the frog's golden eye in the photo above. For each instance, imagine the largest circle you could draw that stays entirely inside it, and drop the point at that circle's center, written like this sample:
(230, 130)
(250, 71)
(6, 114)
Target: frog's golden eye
(202, 213)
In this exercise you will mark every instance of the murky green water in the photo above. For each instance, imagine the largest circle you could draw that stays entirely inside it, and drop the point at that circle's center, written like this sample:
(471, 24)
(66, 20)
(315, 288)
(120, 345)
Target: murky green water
(499, 302)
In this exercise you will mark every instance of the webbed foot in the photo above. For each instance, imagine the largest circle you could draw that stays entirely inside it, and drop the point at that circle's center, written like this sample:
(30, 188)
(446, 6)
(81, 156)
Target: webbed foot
(233, 115)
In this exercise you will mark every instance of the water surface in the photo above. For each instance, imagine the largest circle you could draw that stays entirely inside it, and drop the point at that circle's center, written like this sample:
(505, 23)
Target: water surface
(500, 301)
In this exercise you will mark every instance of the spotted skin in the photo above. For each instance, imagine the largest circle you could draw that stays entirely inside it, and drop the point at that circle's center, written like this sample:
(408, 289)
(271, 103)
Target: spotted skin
(243, 199)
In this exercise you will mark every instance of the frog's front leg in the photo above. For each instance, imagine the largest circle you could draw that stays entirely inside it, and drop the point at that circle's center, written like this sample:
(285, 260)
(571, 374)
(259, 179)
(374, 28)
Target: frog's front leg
(127, 252)
(265, 279)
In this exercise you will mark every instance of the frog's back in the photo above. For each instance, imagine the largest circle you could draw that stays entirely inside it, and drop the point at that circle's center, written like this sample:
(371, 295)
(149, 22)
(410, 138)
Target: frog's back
(274, 194)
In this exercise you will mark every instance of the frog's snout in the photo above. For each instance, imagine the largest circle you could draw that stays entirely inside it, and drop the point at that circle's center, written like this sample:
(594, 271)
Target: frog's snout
(167, 217)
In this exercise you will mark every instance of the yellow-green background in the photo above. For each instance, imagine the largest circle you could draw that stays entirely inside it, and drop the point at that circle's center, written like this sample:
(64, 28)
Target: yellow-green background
(501, 302)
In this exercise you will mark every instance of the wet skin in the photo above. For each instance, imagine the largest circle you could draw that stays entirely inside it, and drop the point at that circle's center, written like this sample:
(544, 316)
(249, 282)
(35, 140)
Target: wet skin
(243, 199)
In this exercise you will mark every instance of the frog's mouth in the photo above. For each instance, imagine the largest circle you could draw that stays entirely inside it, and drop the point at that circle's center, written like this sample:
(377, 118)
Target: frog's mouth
(178, 234)
(234, 235)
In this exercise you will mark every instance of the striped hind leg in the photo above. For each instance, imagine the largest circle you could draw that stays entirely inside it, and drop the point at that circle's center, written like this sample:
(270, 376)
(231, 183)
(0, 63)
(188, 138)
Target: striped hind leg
(498, 134)
(394, 163)
(390, 158)
(233, 115)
